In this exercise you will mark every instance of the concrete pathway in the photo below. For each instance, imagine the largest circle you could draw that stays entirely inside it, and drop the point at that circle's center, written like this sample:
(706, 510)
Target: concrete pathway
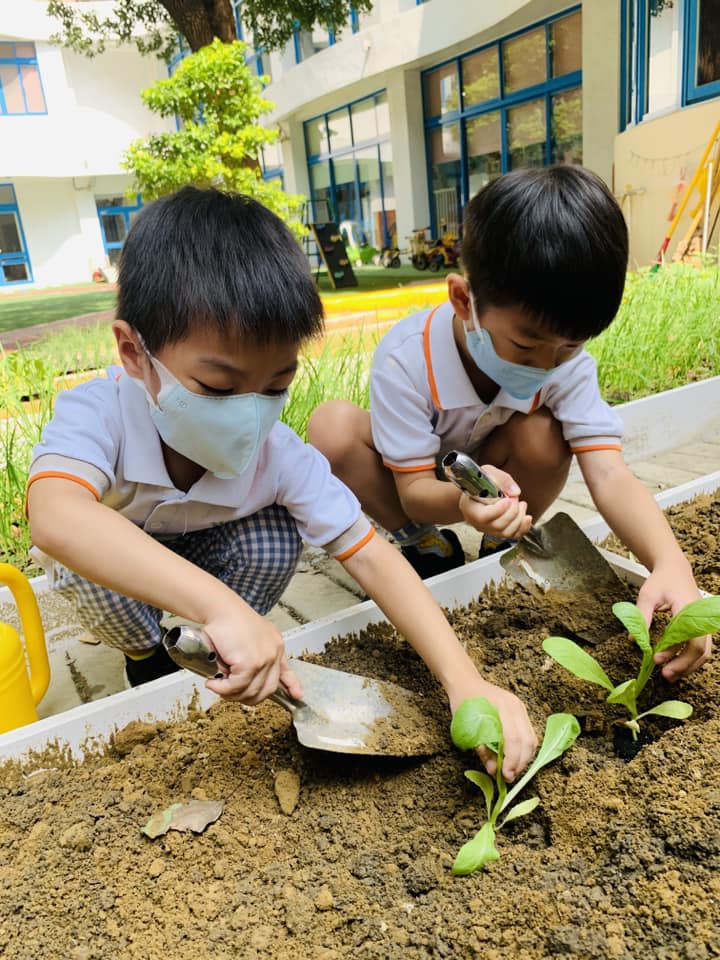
(83, 671)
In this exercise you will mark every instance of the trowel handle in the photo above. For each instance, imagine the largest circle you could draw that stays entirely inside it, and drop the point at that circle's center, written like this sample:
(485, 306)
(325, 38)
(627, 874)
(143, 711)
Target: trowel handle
(190, 647)
(466, 474)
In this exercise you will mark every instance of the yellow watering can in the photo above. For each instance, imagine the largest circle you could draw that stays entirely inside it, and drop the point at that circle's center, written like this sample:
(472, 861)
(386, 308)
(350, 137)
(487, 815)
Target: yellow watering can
(20, 693)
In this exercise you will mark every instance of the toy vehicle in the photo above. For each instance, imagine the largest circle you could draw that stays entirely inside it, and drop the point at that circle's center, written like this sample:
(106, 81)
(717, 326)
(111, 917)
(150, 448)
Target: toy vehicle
(418, 249)
(390, 257)
(433, 254)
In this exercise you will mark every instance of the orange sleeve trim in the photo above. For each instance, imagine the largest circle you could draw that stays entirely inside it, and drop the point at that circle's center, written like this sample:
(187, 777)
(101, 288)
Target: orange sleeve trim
(596, 446)
(423, 466)
(58, 474)
(358, 546)
(535, 404)
(428, 361)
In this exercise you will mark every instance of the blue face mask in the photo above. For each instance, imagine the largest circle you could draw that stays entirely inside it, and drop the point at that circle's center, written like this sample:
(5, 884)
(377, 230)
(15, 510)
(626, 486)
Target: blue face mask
(516, 379)
(222, 434)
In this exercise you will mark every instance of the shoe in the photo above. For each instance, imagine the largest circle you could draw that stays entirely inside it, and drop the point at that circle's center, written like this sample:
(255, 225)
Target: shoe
(449, 555)
(158, 664)
(490, 546)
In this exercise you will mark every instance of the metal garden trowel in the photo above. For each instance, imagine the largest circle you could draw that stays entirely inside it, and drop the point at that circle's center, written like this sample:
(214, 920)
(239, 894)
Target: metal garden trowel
(340, 712)
(554, 560)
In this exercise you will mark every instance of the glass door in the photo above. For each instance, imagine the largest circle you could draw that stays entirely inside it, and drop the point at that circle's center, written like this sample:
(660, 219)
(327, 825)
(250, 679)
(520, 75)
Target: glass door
(14, 260)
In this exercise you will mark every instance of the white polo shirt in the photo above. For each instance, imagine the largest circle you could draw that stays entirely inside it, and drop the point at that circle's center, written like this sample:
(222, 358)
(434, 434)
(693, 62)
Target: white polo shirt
(102, 436)
(422, 403)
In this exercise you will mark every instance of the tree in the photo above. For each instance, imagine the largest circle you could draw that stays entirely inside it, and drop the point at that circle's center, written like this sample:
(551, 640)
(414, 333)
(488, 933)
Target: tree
(153, 25)
(219, 103)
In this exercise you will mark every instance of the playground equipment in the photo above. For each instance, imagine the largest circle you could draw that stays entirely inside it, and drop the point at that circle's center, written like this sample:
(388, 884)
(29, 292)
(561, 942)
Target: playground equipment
(433, 254)
(20, 692)
(704, 215)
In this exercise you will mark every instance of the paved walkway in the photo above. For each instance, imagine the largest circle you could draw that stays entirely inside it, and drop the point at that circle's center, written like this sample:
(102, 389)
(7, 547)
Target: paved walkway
(83, 671)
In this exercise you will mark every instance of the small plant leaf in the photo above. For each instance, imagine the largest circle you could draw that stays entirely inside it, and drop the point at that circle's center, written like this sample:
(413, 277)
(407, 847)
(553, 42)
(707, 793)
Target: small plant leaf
(521, 809)
(476, 722)
(485, 783)
(574, 659)
(632, 619)
(675, 709)
(694, 620)
(476, 852)
(625, 694)
(561, 731)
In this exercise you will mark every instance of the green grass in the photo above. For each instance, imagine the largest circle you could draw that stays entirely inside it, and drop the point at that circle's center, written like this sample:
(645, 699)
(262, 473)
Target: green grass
(371, 278)
(18, 312)
(665, 335)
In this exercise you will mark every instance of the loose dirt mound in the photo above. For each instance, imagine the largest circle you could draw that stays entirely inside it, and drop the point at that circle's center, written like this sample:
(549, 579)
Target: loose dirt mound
(619, 860)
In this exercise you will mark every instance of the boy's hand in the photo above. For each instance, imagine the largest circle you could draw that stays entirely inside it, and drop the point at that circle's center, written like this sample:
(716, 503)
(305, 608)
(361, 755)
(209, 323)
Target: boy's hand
(520, 740)
(505, 518)
(254, 652)
(672, 588)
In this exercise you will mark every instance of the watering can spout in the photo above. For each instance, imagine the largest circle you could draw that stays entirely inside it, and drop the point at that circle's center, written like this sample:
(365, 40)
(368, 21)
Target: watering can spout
(19, 693)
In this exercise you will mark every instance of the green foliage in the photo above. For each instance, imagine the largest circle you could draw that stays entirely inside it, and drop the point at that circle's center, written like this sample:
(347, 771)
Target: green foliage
(665, 333)
(219, 103)
(694, 620)
(146, 23)
(477, 723)
(153, 26)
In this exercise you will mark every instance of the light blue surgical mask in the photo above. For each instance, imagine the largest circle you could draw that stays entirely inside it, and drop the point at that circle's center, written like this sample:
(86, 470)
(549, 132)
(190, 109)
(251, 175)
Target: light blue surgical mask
(222, 434)
(516, 379)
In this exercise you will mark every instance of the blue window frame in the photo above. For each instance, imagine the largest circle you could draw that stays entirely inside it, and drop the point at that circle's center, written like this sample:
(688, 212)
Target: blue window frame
(514, 102)
(255, 57)
(701, 50)
(350, 170)
(14, 260)
(646, 25)
(21, 90)
(115, 215)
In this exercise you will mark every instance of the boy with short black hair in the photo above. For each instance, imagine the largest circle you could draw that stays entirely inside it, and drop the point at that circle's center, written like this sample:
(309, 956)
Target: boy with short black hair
(171, 484)
(499, 371)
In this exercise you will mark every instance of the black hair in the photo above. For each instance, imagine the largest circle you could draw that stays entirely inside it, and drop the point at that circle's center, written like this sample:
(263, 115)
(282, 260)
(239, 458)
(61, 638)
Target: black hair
(207, 258)
(552, 242)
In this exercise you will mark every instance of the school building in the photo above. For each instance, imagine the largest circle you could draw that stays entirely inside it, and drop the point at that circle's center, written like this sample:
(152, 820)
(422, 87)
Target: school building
(388, 124)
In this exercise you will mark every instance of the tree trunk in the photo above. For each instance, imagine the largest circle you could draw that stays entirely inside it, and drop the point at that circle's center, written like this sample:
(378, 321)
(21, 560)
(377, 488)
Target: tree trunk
(200, 21)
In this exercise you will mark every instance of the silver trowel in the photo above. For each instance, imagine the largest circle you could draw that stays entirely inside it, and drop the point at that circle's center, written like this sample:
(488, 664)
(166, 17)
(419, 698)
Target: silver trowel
(554, 559)
(340, 712)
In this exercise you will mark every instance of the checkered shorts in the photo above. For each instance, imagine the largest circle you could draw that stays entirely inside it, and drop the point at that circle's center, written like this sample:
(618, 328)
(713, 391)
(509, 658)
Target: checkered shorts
(255, 556)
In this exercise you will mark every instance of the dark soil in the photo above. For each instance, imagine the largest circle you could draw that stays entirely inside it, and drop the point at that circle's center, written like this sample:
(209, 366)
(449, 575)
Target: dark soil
(620, 860)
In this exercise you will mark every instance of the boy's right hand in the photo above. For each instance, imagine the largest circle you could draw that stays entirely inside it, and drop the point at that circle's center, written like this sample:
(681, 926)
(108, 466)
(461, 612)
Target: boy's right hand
(521, 741)
(254, 651)
(504, 518)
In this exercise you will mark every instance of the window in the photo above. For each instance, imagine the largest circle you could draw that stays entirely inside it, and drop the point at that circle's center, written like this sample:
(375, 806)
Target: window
(20, 86)
(350, 168)
(670, 55)
(115, 215)
(255, 57)
(516, 102)
(14, 260)
(702, 73)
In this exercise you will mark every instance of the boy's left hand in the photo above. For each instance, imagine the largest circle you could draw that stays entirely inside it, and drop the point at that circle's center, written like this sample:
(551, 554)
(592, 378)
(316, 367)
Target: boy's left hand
(672, 588)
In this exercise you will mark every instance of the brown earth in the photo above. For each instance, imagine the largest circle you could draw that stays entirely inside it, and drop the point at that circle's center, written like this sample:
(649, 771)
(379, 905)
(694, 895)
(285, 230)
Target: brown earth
(620, 860)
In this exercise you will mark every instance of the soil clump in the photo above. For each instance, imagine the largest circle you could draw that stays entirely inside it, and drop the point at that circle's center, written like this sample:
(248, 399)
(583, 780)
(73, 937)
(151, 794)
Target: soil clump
(326, 857)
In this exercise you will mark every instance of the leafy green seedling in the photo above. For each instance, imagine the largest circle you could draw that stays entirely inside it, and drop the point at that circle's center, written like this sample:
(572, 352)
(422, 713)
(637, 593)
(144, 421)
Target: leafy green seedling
(694, 620)
(477, 723)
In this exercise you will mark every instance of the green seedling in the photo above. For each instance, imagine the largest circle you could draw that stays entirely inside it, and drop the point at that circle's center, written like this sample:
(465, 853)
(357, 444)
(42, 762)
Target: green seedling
(477, 723)
(694, 620)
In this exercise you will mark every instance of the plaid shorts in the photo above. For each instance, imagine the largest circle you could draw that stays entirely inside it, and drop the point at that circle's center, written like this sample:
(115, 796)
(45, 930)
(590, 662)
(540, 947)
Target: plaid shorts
(255, 556)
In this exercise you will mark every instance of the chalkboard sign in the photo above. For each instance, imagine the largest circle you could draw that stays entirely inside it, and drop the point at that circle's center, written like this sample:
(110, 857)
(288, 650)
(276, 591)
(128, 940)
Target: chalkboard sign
(334, 255)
